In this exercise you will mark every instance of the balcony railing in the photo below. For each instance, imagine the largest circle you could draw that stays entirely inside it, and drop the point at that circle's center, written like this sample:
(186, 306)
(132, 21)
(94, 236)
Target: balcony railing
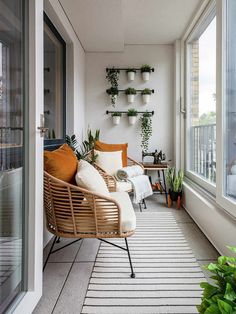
(203, 141)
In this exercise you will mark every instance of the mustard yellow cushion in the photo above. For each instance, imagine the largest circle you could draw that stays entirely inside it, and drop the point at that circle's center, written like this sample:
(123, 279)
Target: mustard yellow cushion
(104, 147)
(61, 163)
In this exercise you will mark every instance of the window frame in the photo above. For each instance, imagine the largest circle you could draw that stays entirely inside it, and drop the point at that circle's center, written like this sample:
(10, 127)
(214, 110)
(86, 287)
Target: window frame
(51, 144)
(197, 29)
(227, 203)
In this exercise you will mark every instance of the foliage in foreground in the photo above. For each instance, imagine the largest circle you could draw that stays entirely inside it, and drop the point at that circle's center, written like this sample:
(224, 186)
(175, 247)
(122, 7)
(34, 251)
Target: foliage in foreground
(221, 297)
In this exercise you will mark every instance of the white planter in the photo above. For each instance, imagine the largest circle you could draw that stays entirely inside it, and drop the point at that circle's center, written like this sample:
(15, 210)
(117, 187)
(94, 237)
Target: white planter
(116, 120)
(132, 120)
(146, 99)
(130, 99)
(145, 76)
(130, 76)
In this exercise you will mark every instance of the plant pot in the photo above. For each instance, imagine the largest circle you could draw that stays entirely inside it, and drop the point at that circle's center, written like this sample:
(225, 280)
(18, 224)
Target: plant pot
(116, 120)
(174, 195)
(145, 76)
(132, 120)
(130, 99)
(131, 76)
(146, 99)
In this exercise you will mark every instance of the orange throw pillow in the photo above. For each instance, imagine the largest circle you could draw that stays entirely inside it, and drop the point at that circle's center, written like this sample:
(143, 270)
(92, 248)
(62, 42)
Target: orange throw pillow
(104, 147)
(61, 163)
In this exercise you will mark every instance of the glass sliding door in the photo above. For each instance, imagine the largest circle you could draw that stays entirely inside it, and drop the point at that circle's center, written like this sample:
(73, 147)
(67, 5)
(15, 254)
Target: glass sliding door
(12, 150)
(230, 104)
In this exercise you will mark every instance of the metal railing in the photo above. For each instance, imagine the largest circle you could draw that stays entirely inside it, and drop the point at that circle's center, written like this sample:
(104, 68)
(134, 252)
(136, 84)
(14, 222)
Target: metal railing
(203, 142)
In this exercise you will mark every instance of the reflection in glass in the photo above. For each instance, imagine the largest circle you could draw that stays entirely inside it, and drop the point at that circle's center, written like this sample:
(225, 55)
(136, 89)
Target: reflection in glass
(11, 147)
(230, 110)
(53, 82)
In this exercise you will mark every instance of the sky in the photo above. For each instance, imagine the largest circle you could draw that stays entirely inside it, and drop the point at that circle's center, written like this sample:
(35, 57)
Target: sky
(207, 69)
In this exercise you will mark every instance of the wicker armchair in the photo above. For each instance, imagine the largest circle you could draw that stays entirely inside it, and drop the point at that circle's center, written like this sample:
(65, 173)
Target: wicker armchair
(73, 212)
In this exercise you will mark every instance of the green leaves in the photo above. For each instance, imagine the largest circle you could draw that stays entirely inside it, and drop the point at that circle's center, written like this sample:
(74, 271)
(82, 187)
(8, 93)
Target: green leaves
(175, 182)
(146, 130)
(82, 151)
(221, 297)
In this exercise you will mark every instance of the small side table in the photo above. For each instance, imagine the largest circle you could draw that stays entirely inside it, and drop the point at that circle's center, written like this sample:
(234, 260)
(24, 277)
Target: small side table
(160, 168)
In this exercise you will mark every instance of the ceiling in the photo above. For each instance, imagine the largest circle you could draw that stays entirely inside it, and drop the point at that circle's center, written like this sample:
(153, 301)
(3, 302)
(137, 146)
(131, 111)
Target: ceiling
(107, 25)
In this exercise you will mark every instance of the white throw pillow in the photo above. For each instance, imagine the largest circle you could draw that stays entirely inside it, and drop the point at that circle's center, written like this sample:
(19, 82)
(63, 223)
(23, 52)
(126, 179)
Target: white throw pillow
(89, 178)
(111, 162)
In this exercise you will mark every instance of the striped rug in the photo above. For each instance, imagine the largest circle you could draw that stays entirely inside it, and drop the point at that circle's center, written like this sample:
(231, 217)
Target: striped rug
(167, 273)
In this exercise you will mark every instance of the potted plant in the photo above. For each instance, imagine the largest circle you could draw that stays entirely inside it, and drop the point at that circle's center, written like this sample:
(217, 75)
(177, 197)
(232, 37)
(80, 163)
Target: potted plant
(175, 182)
(113, 77)
(131, 74)
(132, 114)
(130, 92)
(145, 71)
(116, 117)
(146, 94)
(146, 130)
(220, 297)
(113, 92)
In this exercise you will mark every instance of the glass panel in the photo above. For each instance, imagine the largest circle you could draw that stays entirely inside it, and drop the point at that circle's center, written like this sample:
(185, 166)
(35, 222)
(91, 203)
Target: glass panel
(53, 82)
(202, 116)
(230, 110)
(11, 150)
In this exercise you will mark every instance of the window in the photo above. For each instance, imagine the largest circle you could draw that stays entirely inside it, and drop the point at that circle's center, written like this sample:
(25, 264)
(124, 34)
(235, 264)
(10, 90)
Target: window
(229, 140)
(13, 150)
(54, 85)
(201, 99)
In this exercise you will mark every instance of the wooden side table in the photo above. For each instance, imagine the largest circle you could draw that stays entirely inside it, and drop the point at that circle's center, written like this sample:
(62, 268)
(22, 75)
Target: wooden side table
(160, 168)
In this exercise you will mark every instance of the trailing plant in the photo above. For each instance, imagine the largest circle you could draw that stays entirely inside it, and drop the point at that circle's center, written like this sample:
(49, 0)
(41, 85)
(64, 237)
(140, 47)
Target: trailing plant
(116, 114)
(130, 91)
(146, 68)
(146, 130)
(146, 91)
(132, 113)
(113, 92)
(130, 70)
(174, 179)
(113, 77)
(82, 151)
(220, 298)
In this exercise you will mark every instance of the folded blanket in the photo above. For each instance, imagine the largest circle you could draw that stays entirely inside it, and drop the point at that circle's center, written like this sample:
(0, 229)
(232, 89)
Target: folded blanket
(129, 172)
(142, 188)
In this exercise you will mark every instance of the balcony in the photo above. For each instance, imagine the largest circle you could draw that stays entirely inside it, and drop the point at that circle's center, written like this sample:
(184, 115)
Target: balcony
(203, 139)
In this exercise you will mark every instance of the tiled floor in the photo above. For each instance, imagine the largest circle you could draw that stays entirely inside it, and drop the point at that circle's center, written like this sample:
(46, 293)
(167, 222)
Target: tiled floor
(68, 271)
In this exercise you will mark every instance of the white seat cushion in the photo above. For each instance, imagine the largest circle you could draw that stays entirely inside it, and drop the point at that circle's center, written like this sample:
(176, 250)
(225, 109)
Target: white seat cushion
(111, 162)
(89, 178)
(128, 218)
(122, 186)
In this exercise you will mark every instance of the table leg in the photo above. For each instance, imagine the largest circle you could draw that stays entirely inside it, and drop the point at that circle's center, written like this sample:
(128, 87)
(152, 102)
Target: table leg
(165, 189)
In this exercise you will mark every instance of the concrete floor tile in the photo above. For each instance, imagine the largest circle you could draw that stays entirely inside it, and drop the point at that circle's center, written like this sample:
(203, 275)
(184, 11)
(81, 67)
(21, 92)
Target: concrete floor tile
(88, 250)
(201, 247)
(54, 277)
(72, 297)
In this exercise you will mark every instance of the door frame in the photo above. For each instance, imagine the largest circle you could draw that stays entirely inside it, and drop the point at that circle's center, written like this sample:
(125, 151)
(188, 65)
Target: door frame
(27, 301)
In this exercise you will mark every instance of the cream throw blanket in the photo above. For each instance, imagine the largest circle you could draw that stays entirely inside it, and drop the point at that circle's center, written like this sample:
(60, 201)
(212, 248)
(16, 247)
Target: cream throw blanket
(140, 182)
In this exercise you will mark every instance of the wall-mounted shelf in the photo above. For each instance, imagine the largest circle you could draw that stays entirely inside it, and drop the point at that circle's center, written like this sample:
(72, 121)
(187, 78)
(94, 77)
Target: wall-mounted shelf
(139, 112)
(125, 69)
(137, 90)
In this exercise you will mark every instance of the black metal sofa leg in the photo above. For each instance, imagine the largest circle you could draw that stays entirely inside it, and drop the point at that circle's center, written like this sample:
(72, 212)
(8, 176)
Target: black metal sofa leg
(130, 262)
(53, 243)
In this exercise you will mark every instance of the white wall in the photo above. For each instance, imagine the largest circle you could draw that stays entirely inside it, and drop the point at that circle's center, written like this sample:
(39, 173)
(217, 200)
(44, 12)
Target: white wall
(97, 101)
(216, 224)
(75, 67)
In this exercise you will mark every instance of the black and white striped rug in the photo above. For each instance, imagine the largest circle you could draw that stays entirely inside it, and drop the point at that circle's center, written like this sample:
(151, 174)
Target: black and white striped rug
(167, 273)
